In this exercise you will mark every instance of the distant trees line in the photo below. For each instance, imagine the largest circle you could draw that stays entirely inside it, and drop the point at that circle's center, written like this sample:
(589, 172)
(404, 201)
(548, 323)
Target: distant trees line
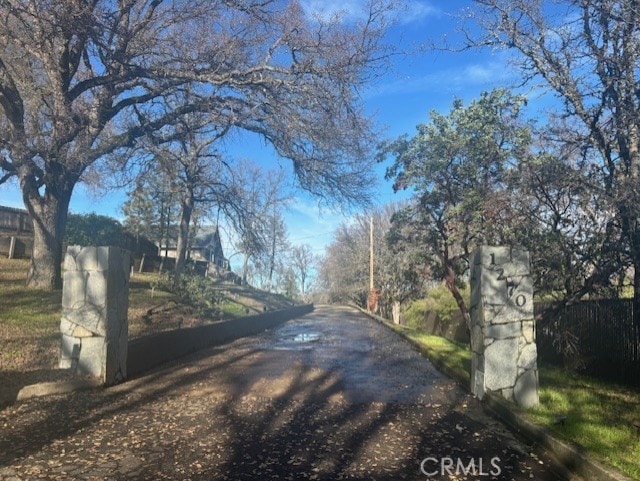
(566, 188)
(92, 91)
(286, 268)
(99, 90)
(482, 174)
(83, 229)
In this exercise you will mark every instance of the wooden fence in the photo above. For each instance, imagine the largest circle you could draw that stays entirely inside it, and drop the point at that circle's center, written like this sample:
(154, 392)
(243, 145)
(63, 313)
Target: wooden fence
(605, 335)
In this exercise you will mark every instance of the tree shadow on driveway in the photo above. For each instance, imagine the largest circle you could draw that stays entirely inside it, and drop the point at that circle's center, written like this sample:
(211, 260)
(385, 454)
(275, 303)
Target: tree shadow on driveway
(243, 412)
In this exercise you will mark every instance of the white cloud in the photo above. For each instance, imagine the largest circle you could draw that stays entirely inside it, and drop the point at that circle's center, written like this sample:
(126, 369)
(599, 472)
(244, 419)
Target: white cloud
(455, 80)
(346, 10)
(329, 9)
(484, 73)
(416, 11)
(308, 224)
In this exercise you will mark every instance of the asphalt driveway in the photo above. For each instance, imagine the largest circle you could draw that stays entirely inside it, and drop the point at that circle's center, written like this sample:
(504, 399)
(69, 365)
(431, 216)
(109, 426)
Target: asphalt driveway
(332, 395)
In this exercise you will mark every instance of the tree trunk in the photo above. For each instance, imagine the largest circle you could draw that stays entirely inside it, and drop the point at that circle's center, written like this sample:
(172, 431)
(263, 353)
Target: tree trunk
(636, 292)
(183, 235)
(395, 312)
(245, 269)
(630, 222)
(49, 217)
(634, 214)
(450, 281)
(272, 261)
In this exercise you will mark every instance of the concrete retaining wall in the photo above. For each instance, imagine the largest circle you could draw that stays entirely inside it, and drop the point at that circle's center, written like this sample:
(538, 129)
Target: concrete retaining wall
(150, 351)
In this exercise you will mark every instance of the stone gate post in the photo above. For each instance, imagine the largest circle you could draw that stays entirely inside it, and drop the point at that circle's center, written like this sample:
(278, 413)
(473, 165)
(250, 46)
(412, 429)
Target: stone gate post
(503, 343)
(94, 324)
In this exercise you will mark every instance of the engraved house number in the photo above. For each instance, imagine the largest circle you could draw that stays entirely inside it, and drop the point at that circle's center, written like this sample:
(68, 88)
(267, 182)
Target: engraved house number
(520, 299)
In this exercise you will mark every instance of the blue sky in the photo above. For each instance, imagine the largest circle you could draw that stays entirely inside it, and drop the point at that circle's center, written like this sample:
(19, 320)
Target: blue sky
(414, 85)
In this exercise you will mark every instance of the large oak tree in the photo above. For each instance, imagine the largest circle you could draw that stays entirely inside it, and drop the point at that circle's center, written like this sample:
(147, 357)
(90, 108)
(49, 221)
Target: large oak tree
(84, 79)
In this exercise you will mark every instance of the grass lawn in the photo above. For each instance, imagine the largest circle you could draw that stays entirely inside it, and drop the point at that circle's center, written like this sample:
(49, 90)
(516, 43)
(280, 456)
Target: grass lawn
(29, 321)
(599, 415)
(454, 356)
(30, 318)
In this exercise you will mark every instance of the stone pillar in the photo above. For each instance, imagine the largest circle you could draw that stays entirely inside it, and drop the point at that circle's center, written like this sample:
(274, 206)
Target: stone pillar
(95, 300)
(503, 343)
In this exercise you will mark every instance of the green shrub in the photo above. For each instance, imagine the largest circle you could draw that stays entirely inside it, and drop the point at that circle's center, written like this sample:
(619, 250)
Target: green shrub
(440, 300)
(94, 229)
(415, 313)
(192, 289)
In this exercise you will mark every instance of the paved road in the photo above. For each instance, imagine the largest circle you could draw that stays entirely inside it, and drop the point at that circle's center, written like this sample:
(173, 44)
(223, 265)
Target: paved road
(330, 396)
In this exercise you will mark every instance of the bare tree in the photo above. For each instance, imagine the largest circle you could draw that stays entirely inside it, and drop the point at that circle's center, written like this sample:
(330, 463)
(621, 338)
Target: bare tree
(587, 52)
(151, 207)
(185, 153)
(261, 193)
(402, 269)
(271, 263)
(344, 269)
(82, 80)
(570, 233)
(302, 260)
(267, 268)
